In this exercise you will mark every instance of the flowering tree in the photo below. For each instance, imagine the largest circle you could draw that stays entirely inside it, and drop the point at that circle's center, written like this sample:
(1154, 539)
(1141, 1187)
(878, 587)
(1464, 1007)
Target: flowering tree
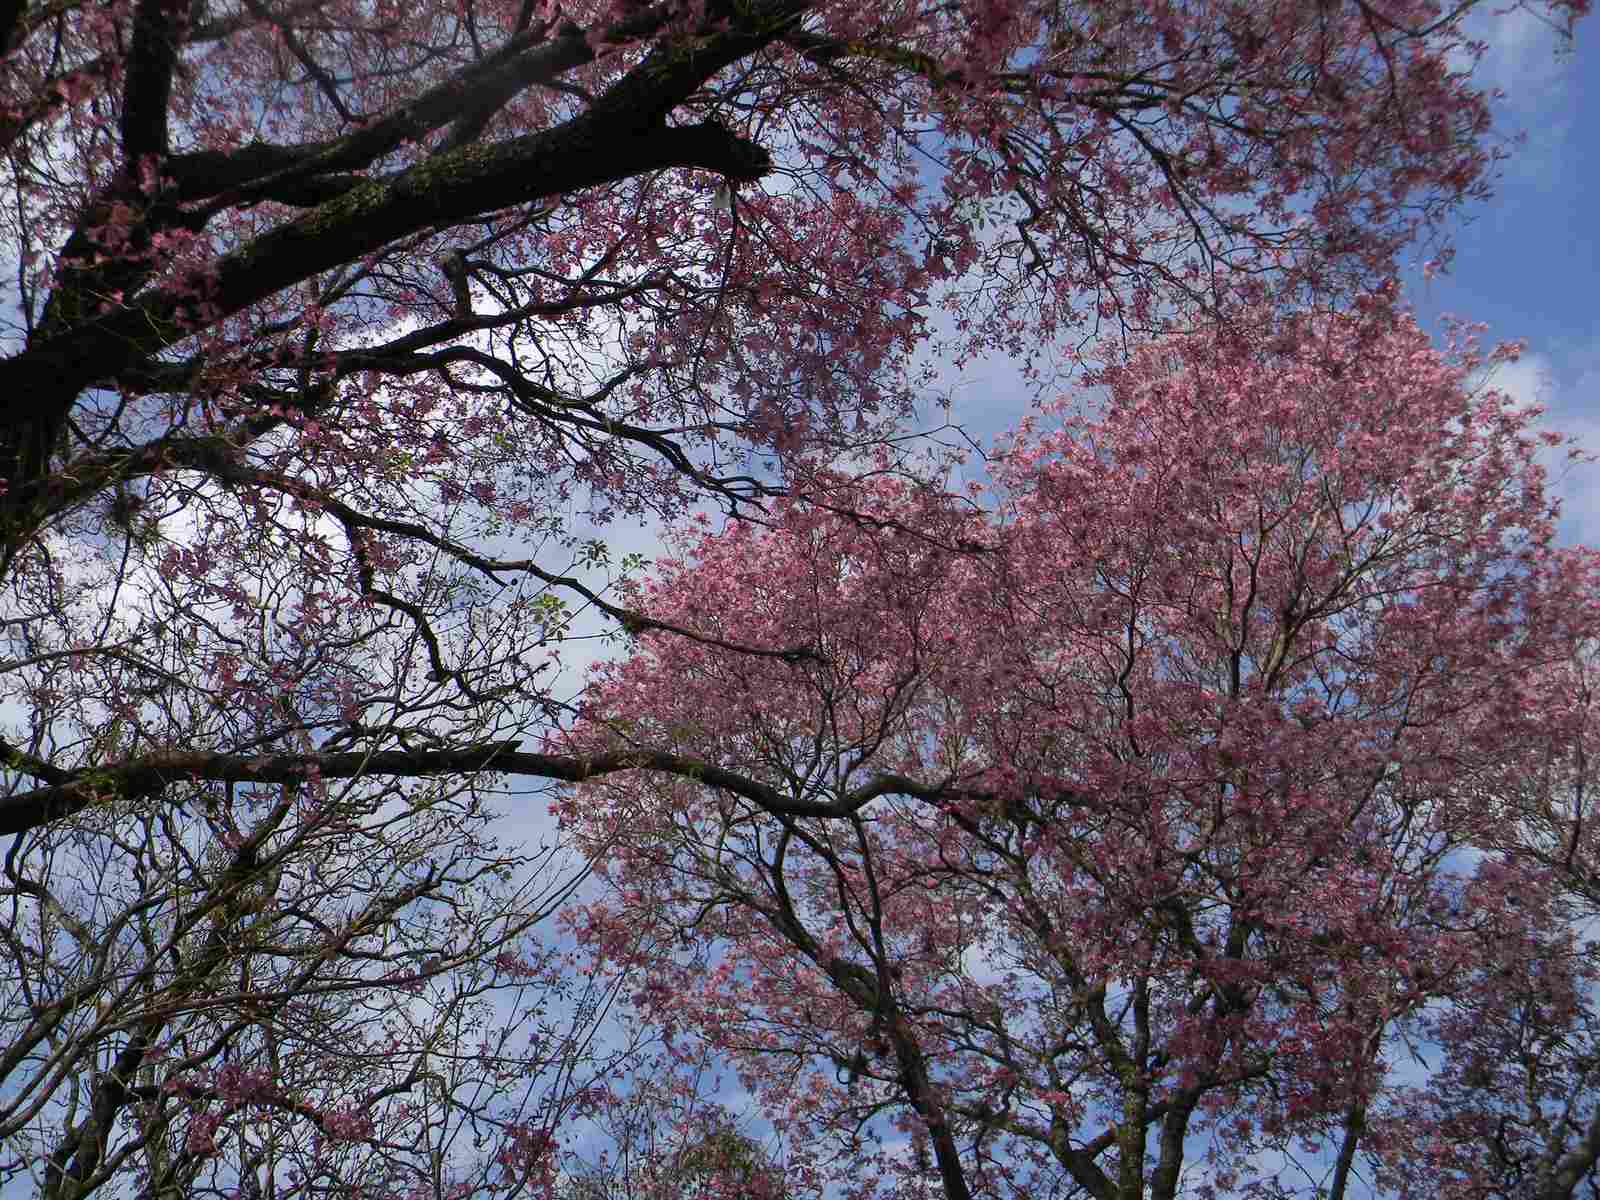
(661, 1138)
(327, 321)
(1144, 826)
(381, 294)
(276, 993)
(1514, 1108)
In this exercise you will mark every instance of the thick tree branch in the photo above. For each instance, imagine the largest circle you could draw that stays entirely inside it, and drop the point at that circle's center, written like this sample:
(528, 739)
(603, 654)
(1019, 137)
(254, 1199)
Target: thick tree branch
(11, 14)
(1562, 1179)
(148, 90)
(622, 135)
(41, 383)
(262, 171)
(148, 776)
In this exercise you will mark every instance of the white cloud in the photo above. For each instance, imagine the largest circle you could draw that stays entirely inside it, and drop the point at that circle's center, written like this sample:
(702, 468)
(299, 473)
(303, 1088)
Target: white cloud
(1570, 409)
(1524, 62)
(1522, 57)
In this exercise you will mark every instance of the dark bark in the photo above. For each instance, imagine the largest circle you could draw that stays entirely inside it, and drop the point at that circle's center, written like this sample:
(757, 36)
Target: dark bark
(149, 776)
(920, 1090)
(42, 383)
(1569, 1170)
(78, 1156)
(621, 135)
(145, 96)
(11, 14)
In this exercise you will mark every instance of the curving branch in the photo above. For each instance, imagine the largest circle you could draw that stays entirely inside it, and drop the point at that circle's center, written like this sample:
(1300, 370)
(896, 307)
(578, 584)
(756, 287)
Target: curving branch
(150, 775)
(622, 135)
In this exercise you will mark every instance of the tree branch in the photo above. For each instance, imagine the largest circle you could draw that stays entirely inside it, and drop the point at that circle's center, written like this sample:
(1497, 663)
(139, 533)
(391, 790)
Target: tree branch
(148, 90)
(620, 136)
(148, 776)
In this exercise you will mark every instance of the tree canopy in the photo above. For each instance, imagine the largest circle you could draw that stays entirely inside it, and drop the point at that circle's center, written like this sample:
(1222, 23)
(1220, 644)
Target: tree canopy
(373, 299)
(1213, 791)
(338, 331)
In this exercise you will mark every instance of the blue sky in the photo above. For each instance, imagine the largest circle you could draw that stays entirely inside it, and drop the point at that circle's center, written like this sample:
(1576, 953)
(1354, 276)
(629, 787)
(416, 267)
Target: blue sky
(1525, 261)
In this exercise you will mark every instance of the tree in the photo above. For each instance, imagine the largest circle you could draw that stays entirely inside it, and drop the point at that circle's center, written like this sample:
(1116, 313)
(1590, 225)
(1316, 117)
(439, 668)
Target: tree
(1133, 825)
(661, 1139)
(330, 318)
(380, 295)
(1514, 1108)
(285, 992)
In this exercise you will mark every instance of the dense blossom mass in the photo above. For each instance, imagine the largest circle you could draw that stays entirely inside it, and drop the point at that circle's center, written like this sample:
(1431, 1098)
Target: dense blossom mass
(1211, 792)
(336, 331)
